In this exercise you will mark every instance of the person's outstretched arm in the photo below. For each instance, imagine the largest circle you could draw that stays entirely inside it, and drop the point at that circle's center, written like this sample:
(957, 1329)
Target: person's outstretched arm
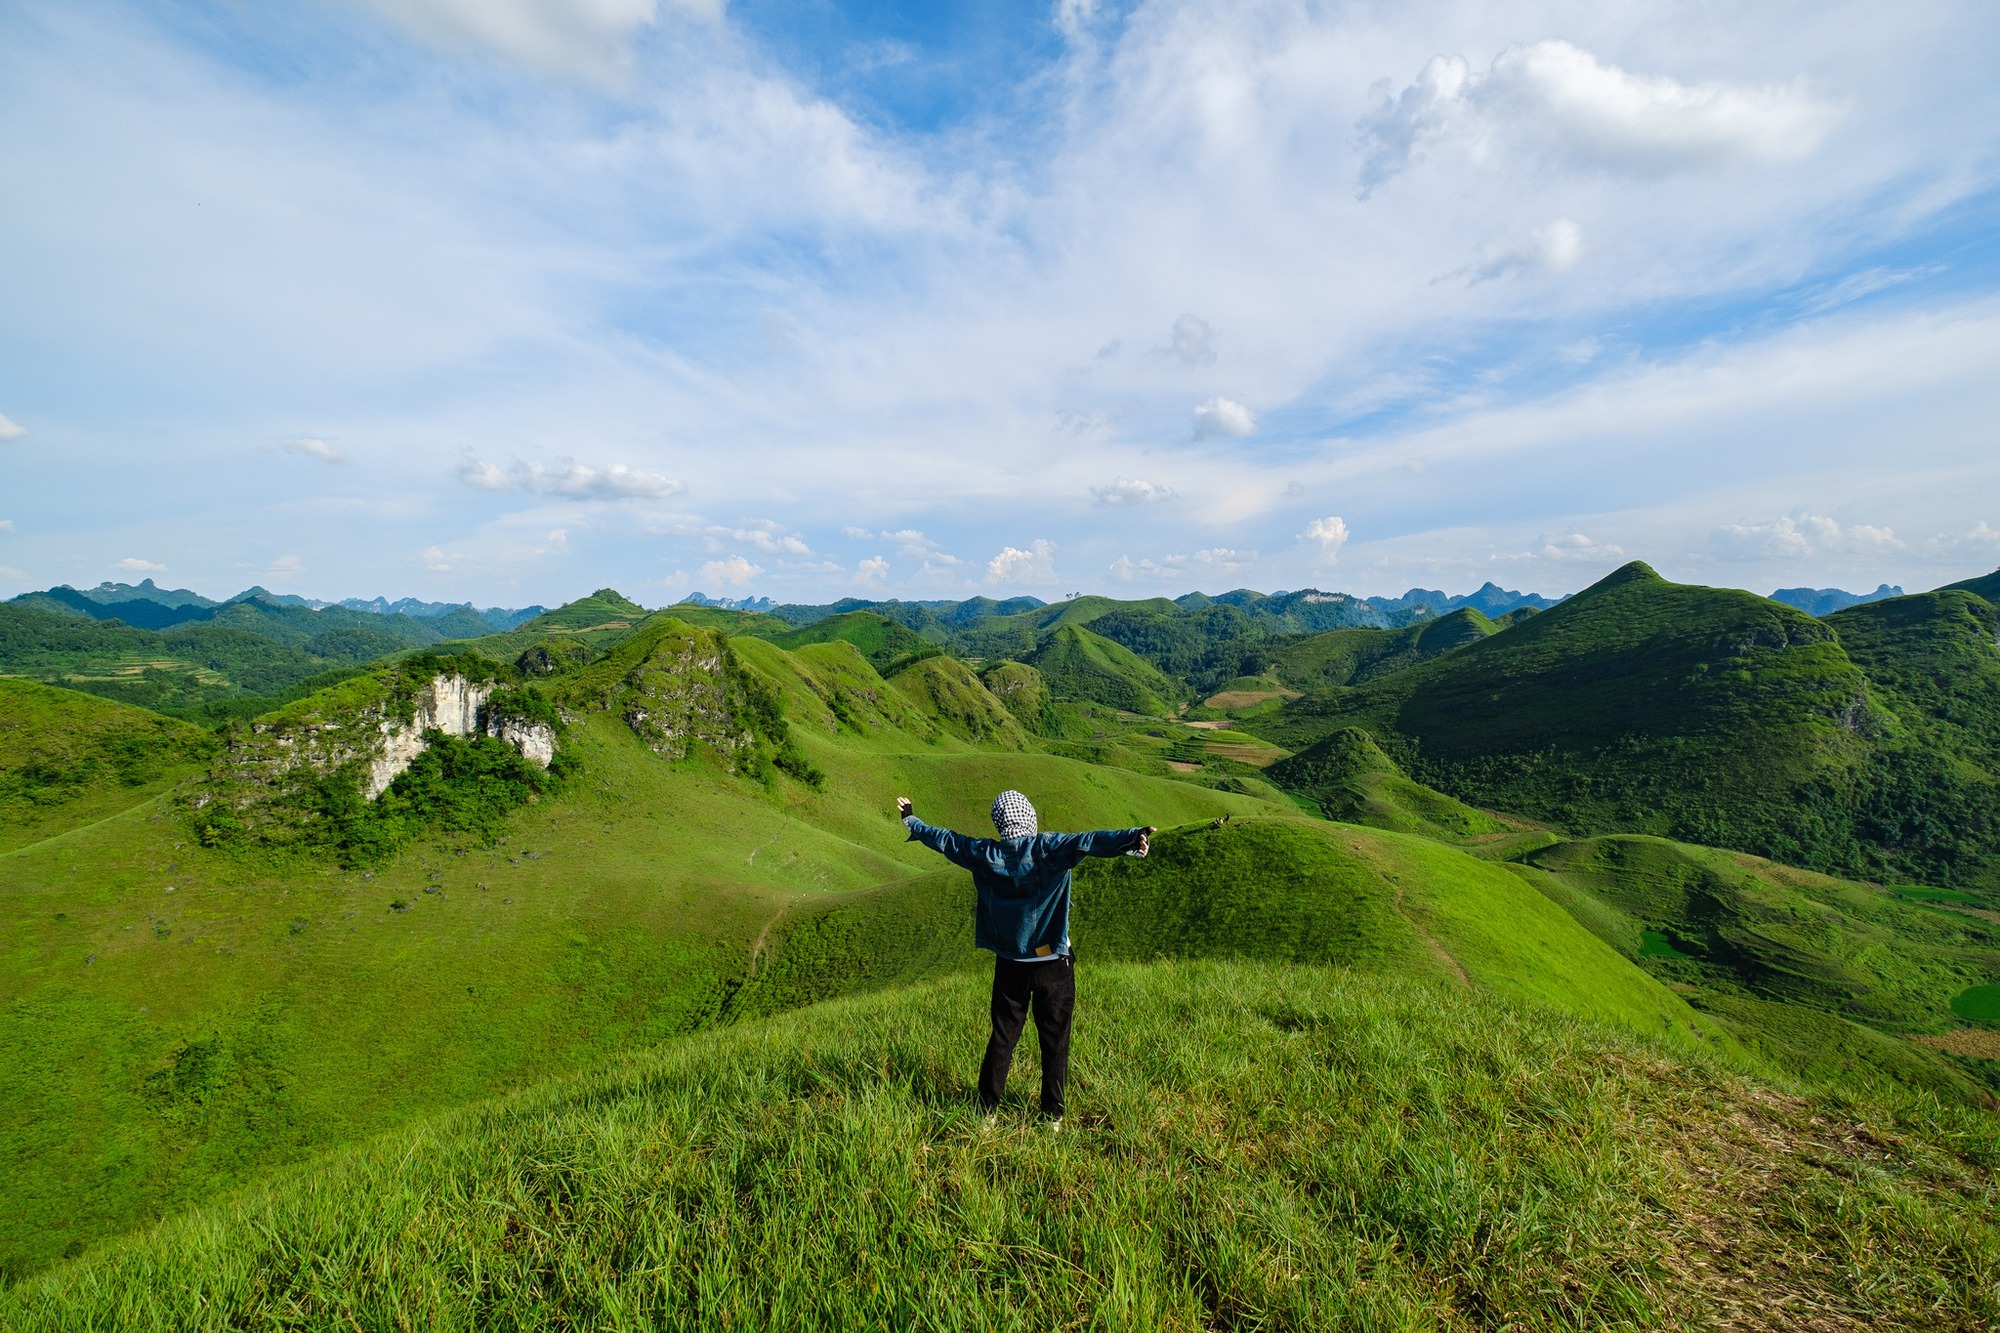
(1073, 847)
(956, 848)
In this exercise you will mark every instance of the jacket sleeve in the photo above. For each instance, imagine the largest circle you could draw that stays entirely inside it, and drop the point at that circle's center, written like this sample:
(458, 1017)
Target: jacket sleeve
(956, 848)
(1070, 848)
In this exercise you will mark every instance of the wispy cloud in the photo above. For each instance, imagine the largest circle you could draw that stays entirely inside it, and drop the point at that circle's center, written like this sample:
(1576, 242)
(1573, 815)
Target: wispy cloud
(1193, 341)
(11, 431)
(568, 479)
(307, 447)
(1798, 536)
(132, 564)
(1132, 491)
(1551, 249)
(587, 39)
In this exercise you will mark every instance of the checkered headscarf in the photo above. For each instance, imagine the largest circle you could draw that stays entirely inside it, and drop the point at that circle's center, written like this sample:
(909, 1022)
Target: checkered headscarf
(1013, 816)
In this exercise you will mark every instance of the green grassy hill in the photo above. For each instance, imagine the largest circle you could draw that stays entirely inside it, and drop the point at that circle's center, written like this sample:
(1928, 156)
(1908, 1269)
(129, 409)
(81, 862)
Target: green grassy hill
(1355, 656)
(1254, 1145)
(1350, 779)
(1079, 666)
(1482, 1087)
(1986, 586)
(881, 640)
(1931, 794)
(1820, 973)
(1638, 705)
(175, 1018)
(67, 759)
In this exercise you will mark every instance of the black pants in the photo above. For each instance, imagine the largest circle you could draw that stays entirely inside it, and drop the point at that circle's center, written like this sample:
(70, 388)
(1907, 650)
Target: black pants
(1051, 986)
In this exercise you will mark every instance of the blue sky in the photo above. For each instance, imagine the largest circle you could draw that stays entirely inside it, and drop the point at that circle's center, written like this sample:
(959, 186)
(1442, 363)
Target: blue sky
(505, 300)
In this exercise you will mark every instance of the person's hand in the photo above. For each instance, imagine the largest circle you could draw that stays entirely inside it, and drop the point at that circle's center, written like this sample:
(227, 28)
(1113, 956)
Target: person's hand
(1146, 839)
(903, 807)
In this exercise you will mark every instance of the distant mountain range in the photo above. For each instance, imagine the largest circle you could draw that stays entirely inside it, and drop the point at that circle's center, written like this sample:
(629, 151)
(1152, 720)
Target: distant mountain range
(146, 605)
(1825, 601)
(1307, 610)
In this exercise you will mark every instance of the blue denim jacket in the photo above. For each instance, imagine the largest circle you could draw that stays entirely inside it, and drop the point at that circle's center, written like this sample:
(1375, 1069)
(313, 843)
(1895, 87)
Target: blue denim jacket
(1023, 883)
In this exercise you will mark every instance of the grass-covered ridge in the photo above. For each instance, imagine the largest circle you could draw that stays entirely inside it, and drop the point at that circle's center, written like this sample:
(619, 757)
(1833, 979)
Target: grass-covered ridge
(67, 758)
(176, 1018)
(1079, 666)
(1638, 705)
(178, 1021)
(1252, 1145)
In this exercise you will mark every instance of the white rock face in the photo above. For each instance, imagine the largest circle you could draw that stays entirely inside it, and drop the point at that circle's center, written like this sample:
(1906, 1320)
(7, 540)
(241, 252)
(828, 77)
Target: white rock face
(535, 740)
(449, 704)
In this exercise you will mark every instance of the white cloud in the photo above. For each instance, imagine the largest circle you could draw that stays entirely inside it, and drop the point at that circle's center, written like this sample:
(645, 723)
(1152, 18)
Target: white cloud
(10, 431)
(285, 564)
(1225, 559)
(569, 480)
(733, 572)
(1559, 99)
(1551, 249)
(762, 534)
(1981, 537)
(1036, 565)
(572, 480)
(1577, 547)
(911, 544)
(871, 572)
(1797, 536)
(1193, 340)
(435, 560)
(7, 525)
(1331, 534)
(1223, 417)
(1219, 559)
(587, 39)
(482, 476)
(133, 564)
(311, 448)
(1131, 491)
(855, 534)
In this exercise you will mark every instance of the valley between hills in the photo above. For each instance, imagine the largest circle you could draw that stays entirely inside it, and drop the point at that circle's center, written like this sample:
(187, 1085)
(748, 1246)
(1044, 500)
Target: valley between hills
(1631, 960)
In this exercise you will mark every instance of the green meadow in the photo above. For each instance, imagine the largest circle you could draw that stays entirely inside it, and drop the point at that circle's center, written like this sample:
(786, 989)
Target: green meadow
(1398, 1026)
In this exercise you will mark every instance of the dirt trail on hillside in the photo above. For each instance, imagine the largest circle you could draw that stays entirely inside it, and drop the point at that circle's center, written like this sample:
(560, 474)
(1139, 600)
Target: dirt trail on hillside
(757, 945)
(1438, 951)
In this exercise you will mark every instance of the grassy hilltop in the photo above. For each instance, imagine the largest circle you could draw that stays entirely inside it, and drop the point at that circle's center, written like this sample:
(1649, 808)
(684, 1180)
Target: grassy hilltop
(1287, 1147)
(678, 1029)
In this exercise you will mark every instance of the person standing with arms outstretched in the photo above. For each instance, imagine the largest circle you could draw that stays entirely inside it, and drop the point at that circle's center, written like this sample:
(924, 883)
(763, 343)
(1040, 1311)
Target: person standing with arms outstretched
(1022, 878)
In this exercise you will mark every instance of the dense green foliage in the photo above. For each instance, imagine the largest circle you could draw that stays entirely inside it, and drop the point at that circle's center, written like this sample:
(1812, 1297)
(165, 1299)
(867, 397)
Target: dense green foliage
(1929, 797)
(1353, 656)
(1204, 647)
(203, 672)
(881, 640)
